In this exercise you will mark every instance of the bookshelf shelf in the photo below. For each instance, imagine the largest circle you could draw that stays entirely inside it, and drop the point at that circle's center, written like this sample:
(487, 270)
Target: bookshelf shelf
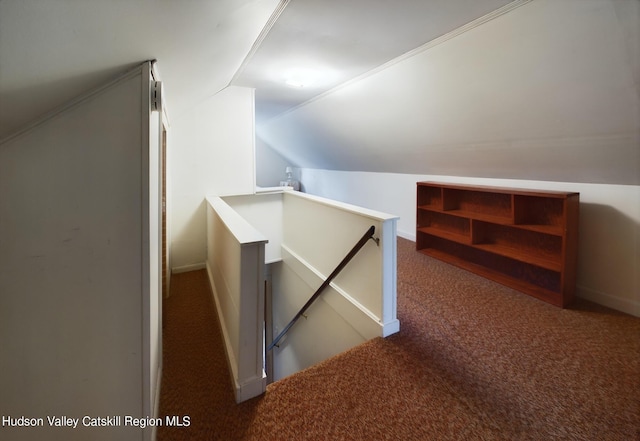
(525, 239)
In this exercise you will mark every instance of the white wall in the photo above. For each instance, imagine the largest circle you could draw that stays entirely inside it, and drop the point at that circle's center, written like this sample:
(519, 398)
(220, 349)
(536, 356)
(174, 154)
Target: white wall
(544, 96)
(323, 333)
(309, 237)
(270, 165)
(75, 308)
(609, 243)
(264, 213)
(211, 153)
(235, 265)
(319, 233)
(548, 91)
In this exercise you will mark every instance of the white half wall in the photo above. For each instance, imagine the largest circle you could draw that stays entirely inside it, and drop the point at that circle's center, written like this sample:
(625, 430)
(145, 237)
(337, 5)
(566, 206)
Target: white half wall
(235, 265)
(609, 238)
(211, 154)
(359, 304)
(264, 213)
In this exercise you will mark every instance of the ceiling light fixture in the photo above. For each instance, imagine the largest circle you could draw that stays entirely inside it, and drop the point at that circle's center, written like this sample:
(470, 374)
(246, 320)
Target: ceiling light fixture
(308, 77)
(294, 83)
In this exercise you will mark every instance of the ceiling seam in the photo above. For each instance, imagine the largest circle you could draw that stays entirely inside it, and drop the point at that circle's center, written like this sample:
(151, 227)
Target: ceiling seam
(263, 34)
(254, 48)
(407, 55)
(74, 102)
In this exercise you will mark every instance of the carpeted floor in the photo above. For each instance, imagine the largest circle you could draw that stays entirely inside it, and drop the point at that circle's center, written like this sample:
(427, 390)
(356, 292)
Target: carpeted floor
(473, 361)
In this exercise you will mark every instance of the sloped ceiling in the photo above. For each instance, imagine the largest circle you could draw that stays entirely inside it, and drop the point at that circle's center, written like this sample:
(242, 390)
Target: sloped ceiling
(547, 84)
(548, 90)
(54, 50)
(315, 45)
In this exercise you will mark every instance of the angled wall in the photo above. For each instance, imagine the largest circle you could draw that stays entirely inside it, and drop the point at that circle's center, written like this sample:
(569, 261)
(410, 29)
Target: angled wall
(548, 91)
(545, 96)
(79, 311)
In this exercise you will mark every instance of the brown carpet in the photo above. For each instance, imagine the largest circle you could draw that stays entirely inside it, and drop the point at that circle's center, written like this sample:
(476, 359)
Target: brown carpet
(473, 361)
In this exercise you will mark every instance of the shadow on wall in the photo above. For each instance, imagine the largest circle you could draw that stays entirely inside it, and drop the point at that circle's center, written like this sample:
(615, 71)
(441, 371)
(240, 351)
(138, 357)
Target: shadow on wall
(51, 96)
(607, 257)
(189, 227)
(270, 165)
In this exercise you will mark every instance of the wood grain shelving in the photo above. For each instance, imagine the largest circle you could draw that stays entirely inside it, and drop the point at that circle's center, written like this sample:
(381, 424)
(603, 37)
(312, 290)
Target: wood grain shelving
(525, 239)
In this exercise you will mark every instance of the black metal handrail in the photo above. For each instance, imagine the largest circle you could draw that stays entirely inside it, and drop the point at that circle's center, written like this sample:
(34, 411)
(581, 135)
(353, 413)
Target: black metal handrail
(368, 235)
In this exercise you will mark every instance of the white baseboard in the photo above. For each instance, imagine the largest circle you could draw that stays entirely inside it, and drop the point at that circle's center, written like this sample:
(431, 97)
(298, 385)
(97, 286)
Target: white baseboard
(624, 305)
(251, 388)
(408, 236)
(187, 268)
(627, 306)
(390, 328)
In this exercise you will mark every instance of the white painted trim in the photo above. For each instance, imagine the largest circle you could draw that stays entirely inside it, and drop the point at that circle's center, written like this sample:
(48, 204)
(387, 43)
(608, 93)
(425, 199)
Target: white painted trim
(408, 236)
(627, 306)
(430, 44)
(187, 268)
(365, 322)
(456, 32)
(242, 230)
(251, 332)
(389, 244)
(631, 307)
(253, 139)
(228, 347)
(270, 190)
(390, 328)
(251, 388)
(147, 259)
(360, 211)
(263, 34)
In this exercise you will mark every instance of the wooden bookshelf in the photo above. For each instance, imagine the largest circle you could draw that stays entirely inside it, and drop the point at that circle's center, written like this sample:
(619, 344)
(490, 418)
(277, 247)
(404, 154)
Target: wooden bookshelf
(524, 239)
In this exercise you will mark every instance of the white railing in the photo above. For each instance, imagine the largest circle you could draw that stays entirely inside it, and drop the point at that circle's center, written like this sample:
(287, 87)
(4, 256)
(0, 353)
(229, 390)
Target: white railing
(359, 304)
(235, 264)
(320, 232)
(307, 237)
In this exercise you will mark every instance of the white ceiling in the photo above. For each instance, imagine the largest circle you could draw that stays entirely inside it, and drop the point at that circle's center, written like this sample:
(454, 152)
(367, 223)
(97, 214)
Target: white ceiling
(54, 50)
(319, 44)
